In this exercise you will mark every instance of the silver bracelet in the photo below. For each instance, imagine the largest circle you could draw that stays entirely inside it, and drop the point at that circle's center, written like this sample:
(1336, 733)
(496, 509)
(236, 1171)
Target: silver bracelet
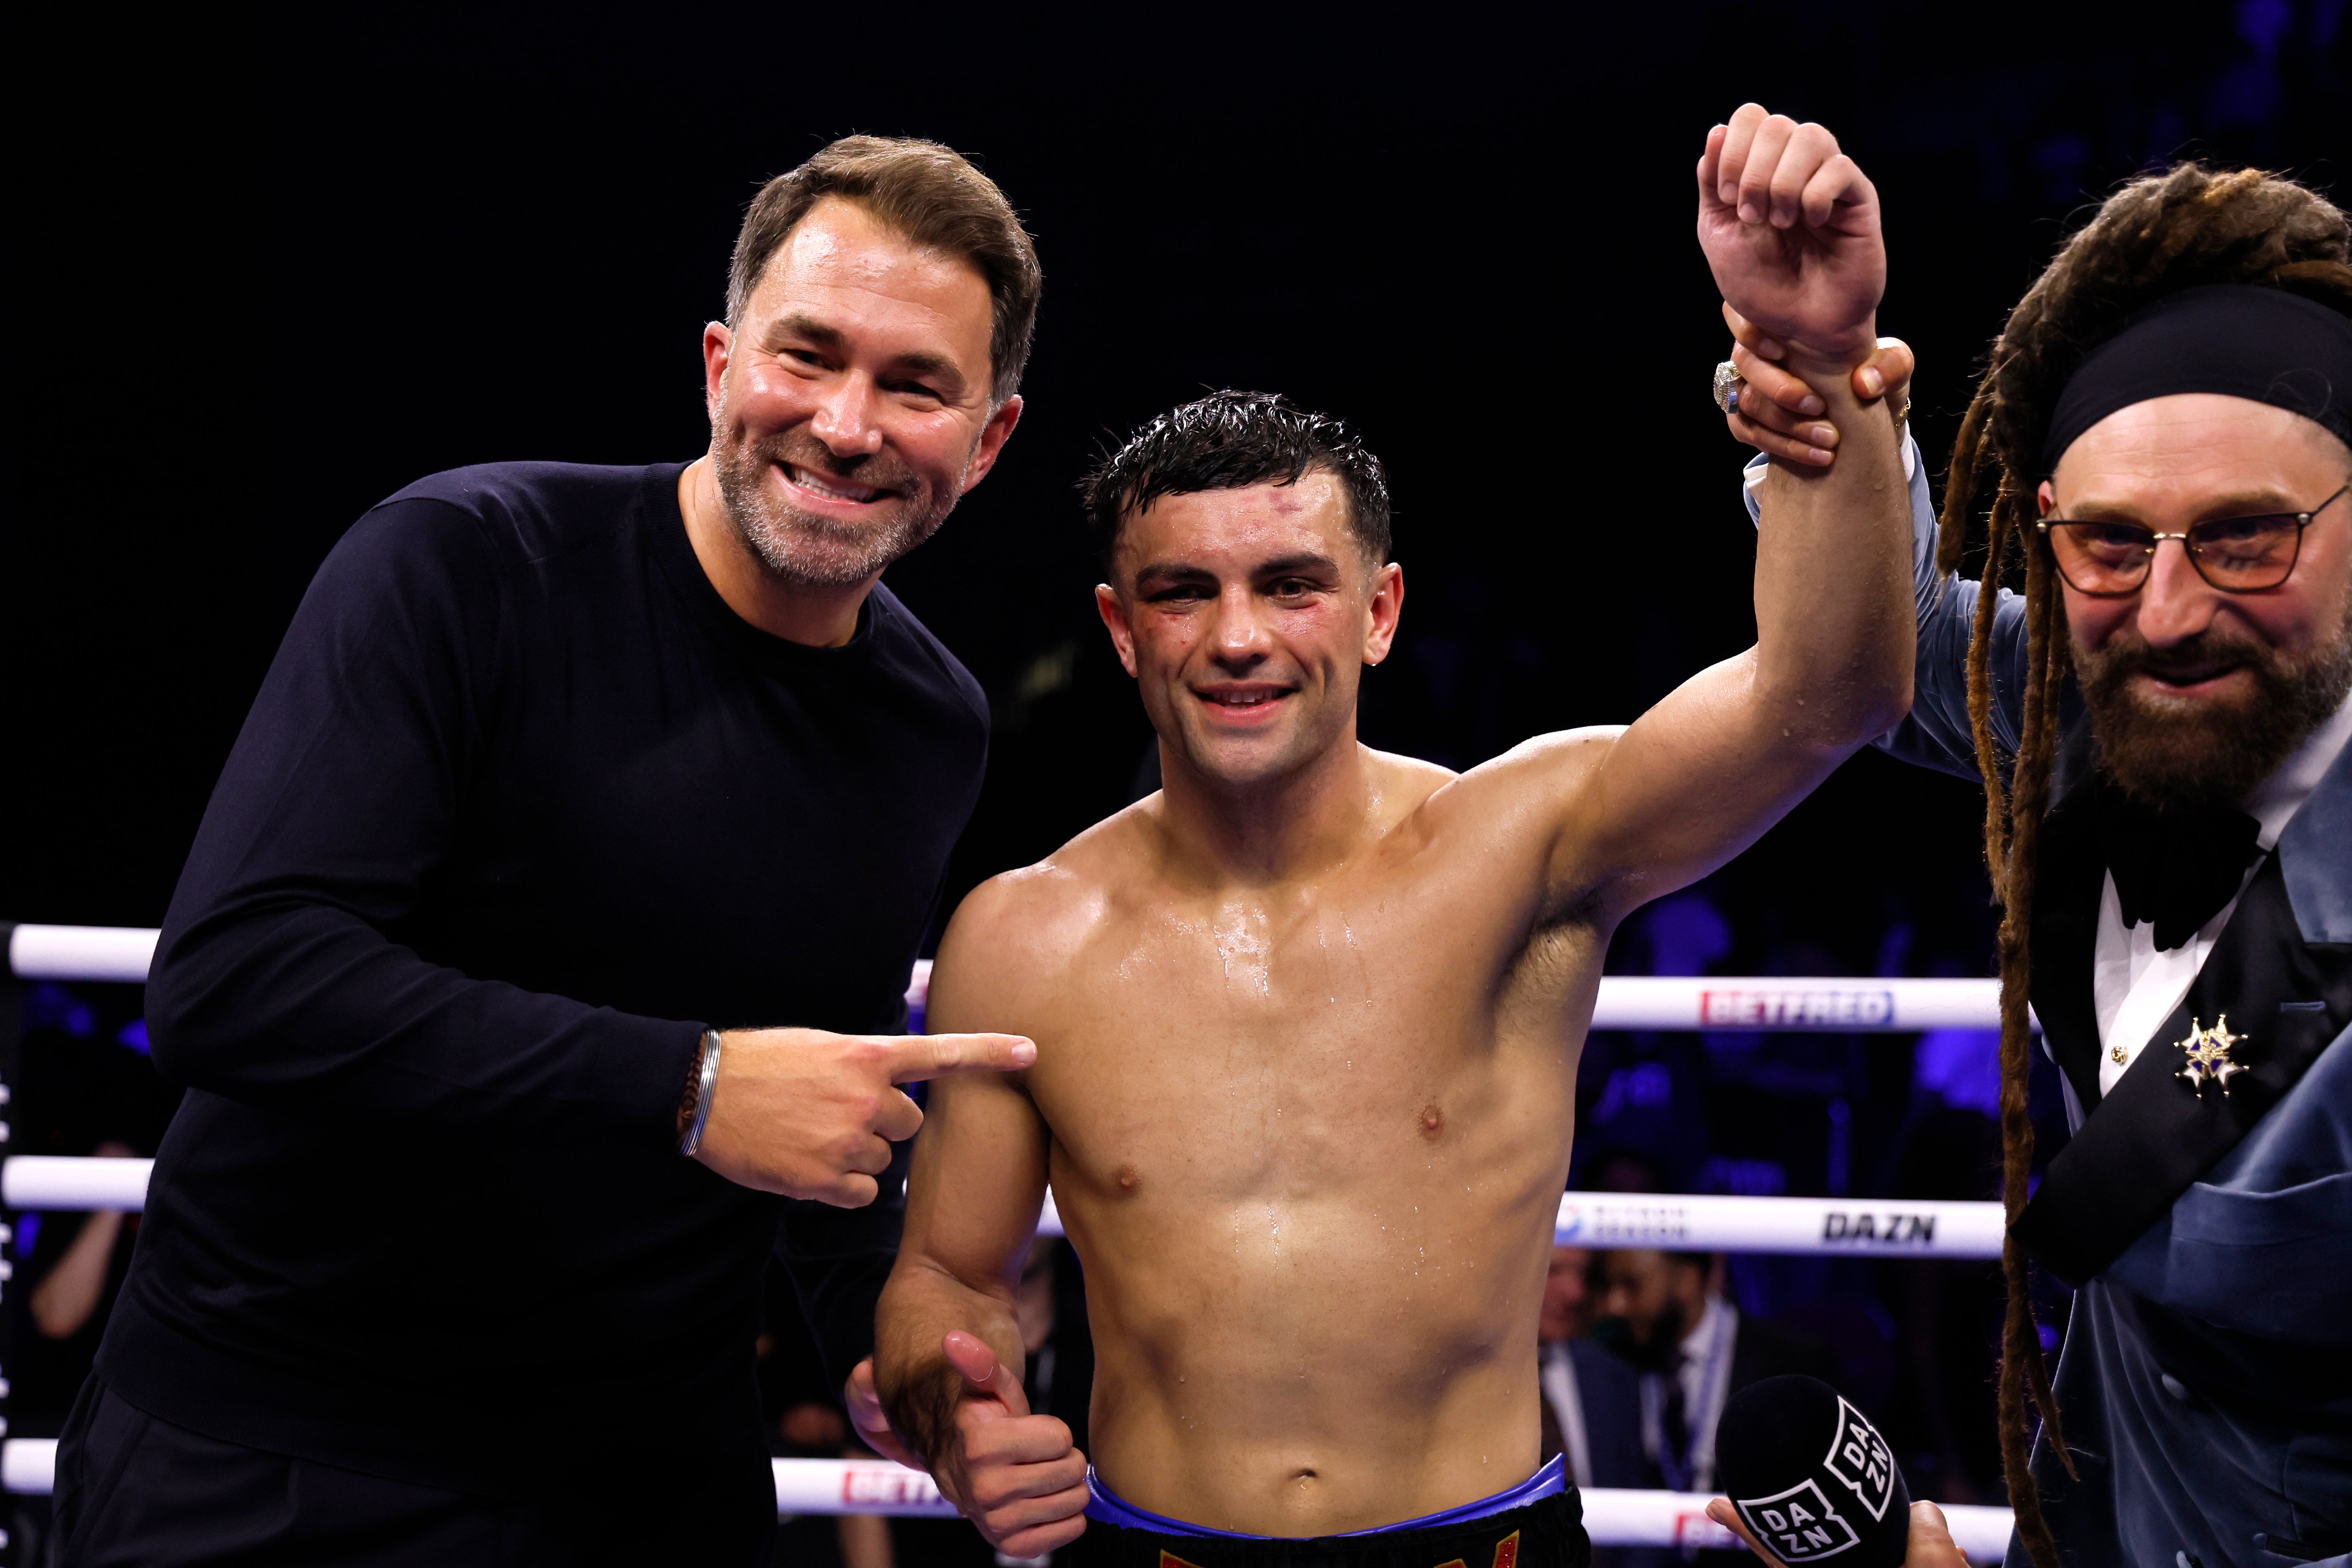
(703, 1095)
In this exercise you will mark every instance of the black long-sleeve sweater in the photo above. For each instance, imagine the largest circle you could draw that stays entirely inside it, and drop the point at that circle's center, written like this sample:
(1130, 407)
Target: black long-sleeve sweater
(521, 808)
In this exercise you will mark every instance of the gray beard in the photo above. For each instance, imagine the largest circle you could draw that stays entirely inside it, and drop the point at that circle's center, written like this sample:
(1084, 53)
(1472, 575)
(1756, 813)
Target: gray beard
(2214, 753)
(808, 551)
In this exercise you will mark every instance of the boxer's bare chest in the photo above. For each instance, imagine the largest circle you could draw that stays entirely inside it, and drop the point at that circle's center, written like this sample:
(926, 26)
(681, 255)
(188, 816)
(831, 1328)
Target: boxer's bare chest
(1307, 1041)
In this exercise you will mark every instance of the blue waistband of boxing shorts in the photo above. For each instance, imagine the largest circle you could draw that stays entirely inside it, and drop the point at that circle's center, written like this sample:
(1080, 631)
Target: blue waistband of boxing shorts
(1104, 1506)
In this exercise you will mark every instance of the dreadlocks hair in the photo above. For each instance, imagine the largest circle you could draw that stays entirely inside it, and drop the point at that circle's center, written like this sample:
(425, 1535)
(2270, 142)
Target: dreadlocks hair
(2188, 226)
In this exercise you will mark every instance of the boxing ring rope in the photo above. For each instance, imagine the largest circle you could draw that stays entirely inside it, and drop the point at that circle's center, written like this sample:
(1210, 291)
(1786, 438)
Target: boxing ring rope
(67, 1182)
(1683, 1223)
(121, 954)
(1675, 1223)
(1695, 1223)
(1612, 1516)
(116, 954)
(1838, 1004)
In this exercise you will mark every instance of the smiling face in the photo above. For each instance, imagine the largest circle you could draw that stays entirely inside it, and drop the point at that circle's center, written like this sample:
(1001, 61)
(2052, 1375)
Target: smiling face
(1247, 616)
(2195, 694)
(850, 405)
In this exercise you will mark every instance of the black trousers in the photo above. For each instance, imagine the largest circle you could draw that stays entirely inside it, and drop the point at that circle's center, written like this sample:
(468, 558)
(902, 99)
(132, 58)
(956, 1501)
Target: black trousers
(135, 1491)
(1547, 1534)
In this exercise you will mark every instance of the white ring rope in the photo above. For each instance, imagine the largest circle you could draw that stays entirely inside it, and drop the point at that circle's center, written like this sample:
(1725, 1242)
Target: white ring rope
(116, 954)
(1612, 1516)
(1707, 1223)
(1674, 1223)
(29, 1466)
(65, 1182)
(1678, 1223)
(1831, 1003)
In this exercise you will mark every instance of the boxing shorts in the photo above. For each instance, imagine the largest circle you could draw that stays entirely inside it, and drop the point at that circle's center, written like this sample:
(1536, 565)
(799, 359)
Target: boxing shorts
(1537, 1523)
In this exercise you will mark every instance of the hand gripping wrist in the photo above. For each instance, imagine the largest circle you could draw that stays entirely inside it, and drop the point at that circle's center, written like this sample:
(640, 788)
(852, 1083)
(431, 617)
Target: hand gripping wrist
(701, 1089)
(1815, 362)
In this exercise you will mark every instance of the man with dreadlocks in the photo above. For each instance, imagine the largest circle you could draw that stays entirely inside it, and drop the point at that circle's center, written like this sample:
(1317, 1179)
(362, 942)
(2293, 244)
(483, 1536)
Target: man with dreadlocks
(2163, 734)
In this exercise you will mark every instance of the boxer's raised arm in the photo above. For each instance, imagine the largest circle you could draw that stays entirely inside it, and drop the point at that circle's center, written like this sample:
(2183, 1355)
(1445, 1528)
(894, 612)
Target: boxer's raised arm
(1780, 415)
(1791, 228)
(1938, 734)
(972, 1201)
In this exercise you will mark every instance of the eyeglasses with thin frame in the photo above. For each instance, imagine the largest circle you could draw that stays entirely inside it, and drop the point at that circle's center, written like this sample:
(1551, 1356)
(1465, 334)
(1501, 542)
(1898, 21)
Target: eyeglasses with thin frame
(2235, 554)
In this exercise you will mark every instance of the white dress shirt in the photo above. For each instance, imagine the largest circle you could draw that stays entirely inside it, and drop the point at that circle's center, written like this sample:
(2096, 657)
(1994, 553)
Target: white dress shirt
(2134, 987)
(1556, 1371)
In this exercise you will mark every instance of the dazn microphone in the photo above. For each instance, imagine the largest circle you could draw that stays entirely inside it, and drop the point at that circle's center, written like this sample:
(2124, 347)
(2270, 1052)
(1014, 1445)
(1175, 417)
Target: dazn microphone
(1811, 1478)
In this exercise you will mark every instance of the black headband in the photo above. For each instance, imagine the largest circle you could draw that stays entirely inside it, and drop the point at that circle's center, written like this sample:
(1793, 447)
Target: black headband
(2237, 339)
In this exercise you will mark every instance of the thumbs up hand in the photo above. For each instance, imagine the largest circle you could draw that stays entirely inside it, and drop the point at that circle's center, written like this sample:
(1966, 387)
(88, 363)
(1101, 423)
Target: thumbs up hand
(1015, 1476)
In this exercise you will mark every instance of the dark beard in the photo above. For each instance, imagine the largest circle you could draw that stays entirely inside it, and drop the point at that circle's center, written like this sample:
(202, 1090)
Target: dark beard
(807, 550)
(2188, 754)
(1662, 1352)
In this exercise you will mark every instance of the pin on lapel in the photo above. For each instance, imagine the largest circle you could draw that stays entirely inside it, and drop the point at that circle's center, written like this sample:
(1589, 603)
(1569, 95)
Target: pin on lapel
(2208, 1055)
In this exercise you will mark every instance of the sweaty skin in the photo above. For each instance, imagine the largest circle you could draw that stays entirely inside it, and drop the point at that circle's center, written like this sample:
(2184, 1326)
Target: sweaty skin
(1308, 1021)
(1307, 1138)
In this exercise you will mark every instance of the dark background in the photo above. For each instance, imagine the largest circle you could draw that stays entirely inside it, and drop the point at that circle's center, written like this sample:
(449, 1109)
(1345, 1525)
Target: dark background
(258, 281)
(261, 275)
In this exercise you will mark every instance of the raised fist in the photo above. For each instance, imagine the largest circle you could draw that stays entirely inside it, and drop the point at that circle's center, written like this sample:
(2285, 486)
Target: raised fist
(1790, 226)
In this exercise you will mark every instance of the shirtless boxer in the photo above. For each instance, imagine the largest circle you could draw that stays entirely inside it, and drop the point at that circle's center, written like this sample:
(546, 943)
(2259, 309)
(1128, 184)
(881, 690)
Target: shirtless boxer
(1308, 1021)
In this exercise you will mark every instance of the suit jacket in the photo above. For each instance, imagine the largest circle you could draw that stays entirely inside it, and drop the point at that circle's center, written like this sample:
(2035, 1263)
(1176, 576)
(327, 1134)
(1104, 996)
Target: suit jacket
(2207, 1376)
(1609, 1399)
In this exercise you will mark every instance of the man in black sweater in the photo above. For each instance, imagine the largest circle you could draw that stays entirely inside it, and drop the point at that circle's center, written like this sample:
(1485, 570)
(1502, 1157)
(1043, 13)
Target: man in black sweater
(566, 787)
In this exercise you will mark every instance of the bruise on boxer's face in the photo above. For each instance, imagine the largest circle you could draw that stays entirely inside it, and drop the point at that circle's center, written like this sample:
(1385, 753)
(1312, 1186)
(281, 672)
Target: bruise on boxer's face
(1432, 1122)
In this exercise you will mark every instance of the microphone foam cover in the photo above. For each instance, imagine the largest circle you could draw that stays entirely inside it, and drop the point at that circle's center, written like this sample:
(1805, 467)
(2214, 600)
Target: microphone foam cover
(1811, 1477)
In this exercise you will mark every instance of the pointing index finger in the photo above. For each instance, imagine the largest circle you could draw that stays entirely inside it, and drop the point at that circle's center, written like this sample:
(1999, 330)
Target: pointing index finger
(920, 1057)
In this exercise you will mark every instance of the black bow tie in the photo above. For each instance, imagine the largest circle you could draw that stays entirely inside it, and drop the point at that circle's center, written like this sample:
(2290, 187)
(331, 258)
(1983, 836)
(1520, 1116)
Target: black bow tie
(2175, 867)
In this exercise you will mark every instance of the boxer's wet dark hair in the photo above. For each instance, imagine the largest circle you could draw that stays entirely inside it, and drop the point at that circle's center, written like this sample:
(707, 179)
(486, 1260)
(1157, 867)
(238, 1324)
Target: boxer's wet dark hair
(1227, 441)
(932, 195)
(2187, 227)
